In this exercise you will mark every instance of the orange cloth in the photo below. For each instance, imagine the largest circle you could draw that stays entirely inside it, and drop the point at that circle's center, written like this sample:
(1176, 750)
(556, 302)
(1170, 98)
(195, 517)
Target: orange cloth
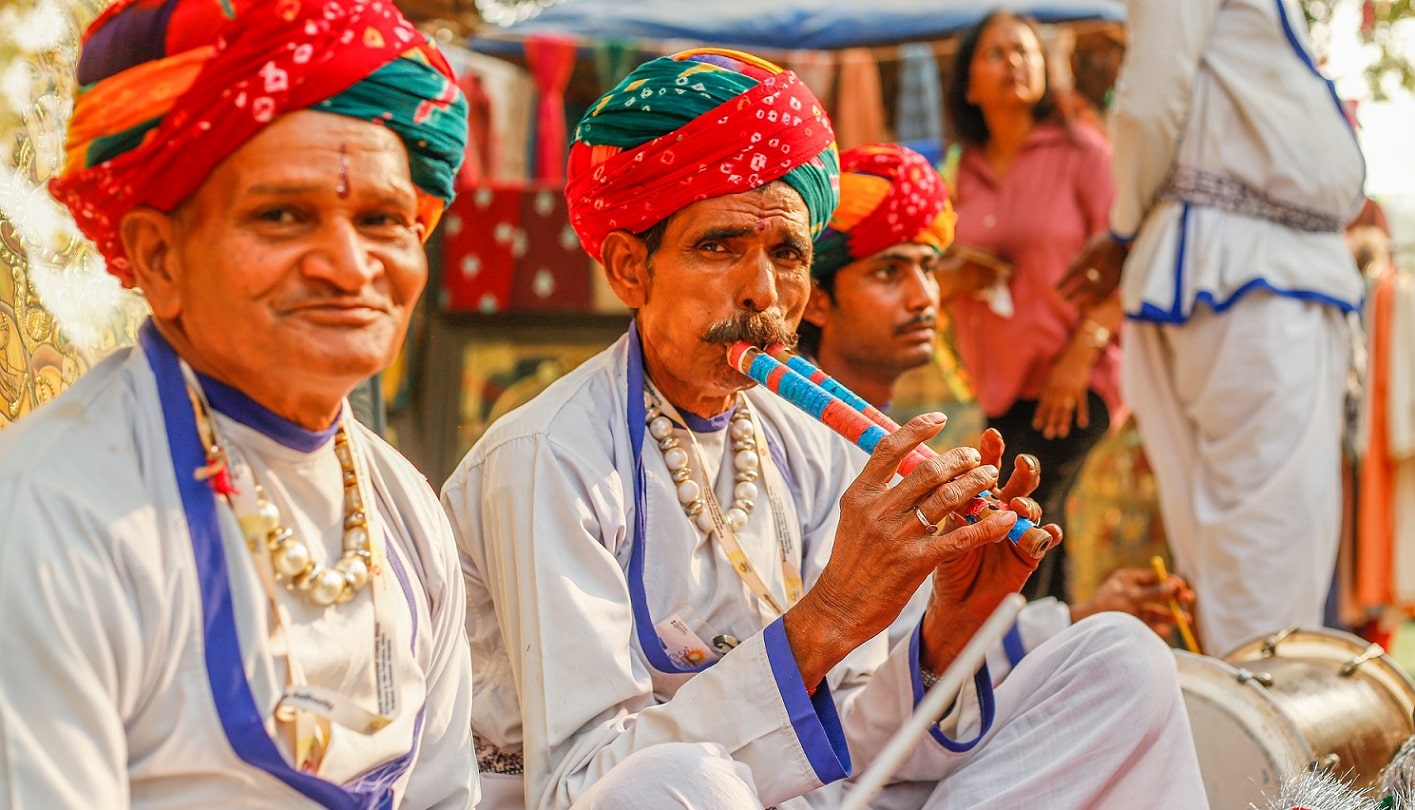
(1375, 527)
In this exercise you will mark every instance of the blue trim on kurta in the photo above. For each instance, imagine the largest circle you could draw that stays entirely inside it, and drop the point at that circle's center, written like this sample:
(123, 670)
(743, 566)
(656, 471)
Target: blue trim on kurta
(813, 716)
(1311, 64)
(711, 424)
(236, 404)
(982, 681)
(235, 704)
(1180, 254)
(1013, 646)
(1149, 312)
(649, 641)
(1176, 314)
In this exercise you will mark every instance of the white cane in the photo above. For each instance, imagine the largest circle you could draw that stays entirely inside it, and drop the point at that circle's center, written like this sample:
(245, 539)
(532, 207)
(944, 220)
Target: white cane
(934, 702)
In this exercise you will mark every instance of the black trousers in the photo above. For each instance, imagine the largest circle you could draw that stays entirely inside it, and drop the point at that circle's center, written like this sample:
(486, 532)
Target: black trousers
(1061, 466)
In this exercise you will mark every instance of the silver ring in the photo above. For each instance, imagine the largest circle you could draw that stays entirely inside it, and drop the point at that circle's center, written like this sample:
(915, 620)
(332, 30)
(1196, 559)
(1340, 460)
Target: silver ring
(1093, 275)
(932, 528)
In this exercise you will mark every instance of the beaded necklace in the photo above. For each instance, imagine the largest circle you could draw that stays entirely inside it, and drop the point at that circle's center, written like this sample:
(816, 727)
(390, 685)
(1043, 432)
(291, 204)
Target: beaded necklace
(700, 503)
(290, 558)
(307, 709)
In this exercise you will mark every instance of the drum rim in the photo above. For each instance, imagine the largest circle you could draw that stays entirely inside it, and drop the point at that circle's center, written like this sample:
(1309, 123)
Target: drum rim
(1213, 678)
(1324, 641)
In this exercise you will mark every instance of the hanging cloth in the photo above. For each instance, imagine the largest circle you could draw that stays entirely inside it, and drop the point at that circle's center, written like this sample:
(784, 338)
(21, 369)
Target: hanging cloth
(918, 114)
(551, 59)
(859, 115)
(481, 147)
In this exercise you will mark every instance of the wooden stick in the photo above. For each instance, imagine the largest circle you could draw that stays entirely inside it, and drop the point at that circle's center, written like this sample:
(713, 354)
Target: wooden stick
(1189, 643)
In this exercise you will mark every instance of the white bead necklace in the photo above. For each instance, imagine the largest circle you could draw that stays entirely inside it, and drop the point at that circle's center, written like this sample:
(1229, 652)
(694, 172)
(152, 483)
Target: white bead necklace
(291, 558)
(742, 433)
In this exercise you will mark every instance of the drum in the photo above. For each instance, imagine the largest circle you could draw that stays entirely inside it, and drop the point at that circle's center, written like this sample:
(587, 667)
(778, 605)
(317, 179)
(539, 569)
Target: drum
(1295, 699)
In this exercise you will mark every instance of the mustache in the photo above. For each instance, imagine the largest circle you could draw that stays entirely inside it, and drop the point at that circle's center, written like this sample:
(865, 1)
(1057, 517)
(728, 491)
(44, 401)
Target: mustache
(757, 328)
(928, 319)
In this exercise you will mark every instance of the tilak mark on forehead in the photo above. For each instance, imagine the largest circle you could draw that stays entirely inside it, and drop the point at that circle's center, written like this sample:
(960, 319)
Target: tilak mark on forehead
(342, 189)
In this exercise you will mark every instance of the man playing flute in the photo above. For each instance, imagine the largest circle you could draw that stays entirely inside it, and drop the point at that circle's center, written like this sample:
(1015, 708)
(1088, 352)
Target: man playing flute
(873, 315)
(676, 594)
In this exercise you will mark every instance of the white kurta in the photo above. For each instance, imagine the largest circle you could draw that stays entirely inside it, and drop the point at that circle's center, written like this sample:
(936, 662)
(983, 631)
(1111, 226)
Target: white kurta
(1235, 170)
(572, 681)
(1225, 95)
(118, 687)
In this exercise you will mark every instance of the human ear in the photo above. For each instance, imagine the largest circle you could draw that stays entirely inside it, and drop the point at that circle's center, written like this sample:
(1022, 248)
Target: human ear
(148, 238)
(817, 307)
(626, 266)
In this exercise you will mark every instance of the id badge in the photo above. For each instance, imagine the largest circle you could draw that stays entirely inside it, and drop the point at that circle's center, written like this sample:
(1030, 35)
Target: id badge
(685, 649)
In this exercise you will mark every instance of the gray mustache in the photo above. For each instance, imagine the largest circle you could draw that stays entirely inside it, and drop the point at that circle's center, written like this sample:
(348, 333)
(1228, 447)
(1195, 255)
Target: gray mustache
(757, 328)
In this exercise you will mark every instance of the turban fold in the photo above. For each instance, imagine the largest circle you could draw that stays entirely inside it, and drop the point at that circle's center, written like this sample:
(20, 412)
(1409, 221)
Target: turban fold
(702, 123)
(888, 194)
(171, 88)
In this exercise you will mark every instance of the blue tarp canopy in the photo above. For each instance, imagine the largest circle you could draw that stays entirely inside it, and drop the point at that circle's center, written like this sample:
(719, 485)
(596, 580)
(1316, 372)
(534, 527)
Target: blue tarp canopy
(787, 24)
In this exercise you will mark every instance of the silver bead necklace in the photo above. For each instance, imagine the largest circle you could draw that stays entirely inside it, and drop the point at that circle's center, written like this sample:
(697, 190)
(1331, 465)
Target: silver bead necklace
(290, 558)
(746, 465)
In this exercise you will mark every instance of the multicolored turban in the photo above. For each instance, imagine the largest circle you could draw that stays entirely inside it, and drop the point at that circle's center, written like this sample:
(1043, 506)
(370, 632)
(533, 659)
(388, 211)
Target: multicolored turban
(702, 123)
(888, 194)
(170, 88)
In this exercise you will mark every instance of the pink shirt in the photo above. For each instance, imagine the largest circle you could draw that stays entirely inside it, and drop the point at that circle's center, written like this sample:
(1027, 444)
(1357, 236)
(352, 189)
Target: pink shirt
(1055, 195)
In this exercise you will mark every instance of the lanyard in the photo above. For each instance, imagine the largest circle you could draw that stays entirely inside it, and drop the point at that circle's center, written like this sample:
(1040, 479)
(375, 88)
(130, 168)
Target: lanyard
(723, 531)
(309, 709)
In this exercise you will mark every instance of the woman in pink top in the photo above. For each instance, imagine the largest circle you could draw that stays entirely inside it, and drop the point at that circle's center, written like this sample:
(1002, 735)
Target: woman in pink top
(1030, 189)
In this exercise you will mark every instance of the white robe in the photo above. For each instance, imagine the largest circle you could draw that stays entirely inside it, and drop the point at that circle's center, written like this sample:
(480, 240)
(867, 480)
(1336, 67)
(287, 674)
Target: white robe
(571, 679)
(108, 692)
(1229, 89)
(1237, 355)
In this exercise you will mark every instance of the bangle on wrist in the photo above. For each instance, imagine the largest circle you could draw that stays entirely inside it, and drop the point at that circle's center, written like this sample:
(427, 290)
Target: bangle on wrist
(1096, 336)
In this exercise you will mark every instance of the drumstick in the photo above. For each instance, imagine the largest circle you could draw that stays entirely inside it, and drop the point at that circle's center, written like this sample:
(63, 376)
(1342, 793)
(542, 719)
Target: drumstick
(1189, 643)
(927, 713)
(834, 413)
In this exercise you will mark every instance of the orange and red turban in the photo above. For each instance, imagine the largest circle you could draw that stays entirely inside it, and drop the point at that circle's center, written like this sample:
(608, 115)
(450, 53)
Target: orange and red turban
(701, 123)
(888, 194)
(170, 88)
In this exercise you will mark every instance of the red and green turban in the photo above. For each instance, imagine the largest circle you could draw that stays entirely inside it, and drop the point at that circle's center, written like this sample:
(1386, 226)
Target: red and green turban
(888, 194)
(702, 123)
(170, 88)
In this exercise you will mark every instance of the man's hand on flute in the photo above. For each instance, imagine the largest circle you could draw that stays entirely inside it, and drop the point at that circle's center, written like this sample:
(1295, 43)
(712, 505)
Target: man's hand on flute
(969, 584)
(884, 550)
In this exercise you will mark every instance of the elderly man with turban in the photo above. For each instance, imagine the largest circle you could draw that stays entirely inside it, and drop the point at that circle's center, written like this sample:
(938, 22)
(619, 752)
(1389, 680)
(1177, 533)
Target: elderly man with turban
(675, 592)
(219, 590)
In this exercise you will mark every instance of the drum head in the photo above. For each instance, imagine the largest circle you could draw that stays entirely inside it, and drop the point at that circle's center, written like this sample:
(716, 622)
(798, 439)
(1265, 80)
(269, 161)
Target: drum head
(1335, 646)
(1246, 745)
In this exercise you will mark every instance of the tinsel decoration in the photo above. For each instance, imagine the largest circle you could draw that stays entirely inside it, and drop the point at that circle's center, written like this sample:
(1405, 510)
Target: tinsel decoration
(1319, 790)
(1398, 779)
